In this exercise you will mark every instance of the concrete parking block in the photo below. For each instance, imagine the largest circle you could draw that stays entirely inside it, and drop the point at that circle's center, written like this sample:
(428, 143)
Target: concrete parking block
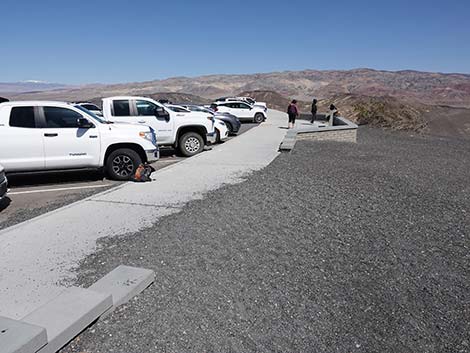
(65, 316)
(20, 337)
(123, 283)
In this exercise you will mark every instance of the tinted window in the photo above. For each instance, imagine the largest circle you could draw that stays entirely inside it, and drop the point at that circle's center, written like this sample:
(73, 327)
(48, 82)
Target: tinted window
(90, 107)
(145, 108)
(22, 117)
(178, 109)
(61, 117)
(121, 108)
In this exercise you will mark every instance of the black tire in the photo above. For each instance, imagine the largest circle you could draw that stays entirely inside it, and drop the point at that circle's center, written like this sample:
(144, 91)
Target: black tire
(259, 118)
(190, 144)
(229, 127)
(122, 164)
(217, 136)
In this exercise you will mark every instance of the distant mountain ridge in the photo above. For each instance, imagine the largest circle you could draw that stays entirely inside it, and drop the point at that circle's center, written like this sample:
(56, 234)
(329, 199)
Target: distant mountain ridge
(437, 103)
(29, 86)
(411, 86)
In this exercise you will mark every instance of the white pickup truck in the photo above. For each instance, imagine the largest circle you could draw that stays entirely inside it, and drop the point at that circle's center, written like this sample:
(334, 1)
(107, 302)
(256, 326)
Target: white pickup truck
(38, 136)
(189, 133)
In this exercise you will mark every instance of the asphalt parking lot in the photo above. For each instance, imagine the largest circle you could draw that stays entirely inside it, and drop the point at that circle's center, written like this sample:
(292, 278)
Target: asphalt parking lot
(33, 194)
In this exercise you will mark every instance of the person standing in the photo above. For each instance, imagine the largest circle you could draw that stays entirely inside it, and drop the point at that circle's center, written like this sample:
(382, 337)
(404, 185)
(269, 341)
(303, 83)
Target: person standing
(293, 113)
(314, 110)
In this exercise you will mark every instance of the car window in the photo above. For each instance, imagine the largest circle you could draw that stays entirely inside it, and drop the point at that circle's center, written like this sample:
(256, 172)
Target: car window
(57, 117)
(145, 108)
(121, 108)
(90, 107)
(178, 109)
(244, 106)
(22, 117)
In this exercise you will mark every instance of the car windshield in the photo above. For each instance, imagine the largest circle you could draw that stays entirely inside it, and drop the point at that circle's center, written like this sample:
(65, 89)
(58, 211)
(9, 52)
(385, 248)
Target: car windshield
(93, 115)
(177, 109)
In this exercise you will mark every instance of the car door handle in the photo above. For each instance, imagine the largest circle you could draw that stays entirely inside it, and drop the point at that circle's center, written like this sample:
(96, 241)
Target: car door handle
(141, 121)
(93, 136)
(51, 135)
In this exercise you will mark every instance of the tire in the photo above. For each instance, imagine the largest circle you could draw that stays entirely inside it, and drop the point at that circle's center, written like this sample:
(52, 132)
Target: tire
(259, 118)
(190, 144)
(122, 164)
(217, 136)
(229, 127)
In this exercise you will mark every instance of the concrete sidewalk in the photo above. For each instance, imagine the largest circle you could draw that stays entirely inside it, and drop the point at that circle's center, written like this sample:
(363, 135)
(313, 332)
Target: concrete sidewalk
(38, 255)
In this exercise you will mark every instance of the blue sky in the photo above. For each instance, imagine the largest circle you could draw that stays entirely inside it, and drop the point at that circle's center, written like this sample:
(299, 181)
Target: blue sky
(124, 41)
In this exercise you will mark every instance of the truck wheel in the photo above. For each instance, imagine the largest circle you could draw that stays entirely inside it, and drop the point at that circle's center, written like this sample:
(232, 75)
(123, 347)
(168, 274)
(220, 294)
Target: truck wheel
(190, 143)
(122, 164)
(259, 118)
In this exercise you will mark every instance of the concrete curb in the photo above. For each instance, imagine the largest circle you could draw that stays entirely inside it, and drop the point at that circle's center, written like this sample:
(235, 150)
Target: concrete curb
(53, 325)
(20, 337)
(123, 283)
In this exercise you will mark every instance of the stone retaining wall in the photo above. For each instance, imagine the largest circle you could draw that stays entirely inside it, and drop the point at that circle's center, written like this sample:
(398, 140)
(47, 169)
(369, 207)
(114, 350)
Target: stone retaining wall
(349, 135)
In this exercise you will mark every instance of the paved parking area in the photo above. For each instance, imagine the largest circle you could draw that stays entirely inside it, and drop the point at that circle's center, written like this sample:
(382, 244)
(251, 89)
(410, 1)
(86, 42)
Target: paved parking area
(34, 194)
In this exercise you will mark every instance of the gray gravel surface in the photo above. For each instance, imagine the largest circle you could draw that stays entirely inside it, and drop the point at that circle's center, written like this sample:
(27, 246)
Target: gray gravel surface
(332, 248)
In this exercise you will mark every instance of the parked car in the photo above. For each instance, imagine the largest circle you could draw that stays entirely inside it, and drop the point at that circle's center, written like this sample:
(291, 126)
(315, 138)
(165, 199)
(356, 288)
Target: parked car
(91, 107)
(221, 129)
(3, 183)
(231, 121)
(241, 110)
(248, 100)
(39, 135)
(188, 134)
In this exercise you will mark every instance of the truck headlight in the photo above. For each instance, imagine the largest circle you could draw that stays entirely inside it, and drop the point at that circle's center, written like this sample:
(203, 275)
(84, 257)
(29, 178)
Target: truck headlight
(148, 135)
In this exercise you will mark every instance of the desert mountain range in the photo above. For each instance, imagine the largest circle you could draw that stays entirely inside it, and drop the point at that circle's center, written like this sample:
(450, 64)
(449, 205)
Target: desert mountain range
(400, 99)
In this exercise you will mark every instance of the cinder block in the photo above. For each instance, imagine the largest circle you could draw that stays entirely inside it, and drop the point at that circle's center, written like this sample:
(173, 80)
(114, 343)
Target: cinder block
(65, 316)
(123, 283)
(20, 337)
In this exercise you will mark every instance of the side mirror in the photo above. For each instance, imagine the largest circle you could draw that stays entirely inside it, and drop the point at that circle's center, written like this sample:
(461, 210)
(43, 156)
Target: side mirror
(84, 123)
(162, 113)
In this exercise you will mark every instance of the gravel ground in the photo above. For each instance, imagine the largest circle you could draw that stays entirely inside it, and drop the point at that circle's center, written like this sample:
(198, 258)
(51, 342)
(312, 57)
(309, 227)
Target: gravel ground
(332, 248)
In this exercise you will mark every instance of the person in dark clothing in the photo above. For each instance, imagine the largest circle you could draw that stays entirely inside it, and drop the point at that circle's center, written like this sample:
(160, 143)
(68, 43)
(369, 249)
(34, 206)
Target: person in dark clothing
(314, 110)
(293, 113)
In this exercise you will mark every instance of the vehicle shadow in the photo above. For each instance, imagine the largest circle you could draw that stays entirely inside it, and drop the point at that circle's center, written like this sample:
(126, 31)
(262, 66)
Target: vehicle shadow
(4, 203)
(58, 177)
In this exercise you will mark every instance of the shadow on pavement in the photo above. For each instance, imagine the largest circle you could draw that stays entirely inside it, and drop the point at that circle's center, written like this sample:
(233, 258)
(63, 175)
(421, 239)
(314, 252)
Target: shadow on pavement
(61, 177)
(4, 203)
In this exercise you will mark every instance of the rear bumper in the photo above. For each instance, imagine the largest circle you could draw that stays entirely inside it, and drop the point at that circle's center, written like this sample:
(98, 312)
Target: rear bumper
(211, 137)
(3, 188)
(153, 155)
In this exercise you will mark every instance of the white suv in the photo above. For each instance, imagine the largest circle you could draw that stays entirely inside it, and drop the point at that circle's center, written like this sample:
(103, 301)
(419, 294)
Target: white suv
(186, 132)
(37, 136)
(242, 110)
(248, 100)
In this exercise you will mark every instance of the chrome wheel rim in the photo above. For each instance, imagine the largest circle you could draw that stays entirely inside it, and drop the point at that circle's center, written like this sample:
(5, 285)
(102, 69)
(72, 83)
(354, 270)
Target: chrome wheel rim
(192, 145)
(123, 166)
